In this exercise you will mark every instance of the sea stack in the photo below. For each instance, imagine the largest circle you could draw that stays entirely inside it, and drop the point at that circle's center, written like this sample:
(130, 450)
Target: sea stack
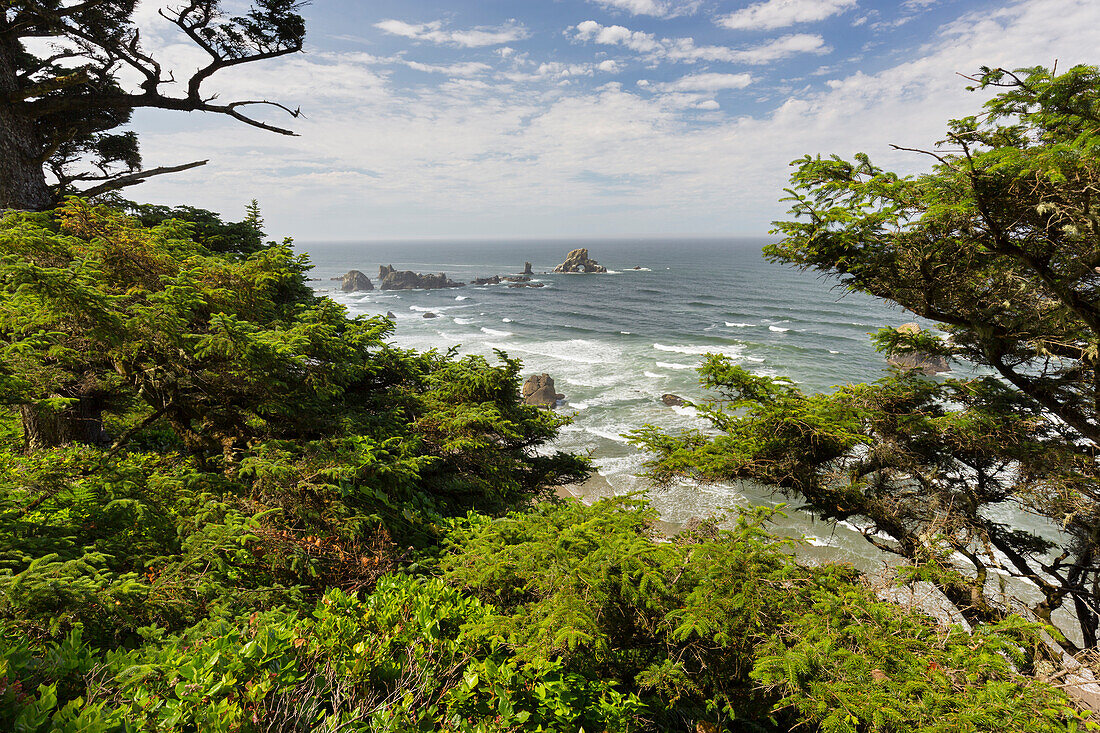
(527, 269)
(577, 261)
(539, 390)
(355, 281)
(408, 280)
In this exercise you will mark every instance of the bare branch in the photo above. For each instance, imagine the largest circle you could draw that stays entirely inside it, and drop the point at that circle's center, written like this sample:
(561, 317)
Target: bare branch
(134, 179)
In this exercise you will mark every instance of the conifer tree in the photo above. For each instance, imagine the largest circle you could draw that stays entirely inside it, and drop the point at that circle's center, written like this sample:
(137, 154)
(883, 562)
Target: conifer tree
(60, 110)
(1000, 245)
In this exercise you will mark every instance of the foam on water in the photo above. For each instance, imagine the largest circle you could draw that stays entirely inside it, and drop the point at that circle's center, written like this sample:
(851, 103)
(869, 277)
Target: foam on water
(497, 334)
(505, 320)
(778, 329)
(734, 324)
(684, 349)
(670, 365)
(464, 321)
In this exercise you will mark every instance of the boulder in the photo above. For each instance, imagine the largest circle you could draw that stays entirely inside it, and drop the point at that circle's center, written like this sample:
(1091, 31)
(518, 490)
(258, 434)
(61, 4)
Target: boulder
(429, 314)
(527, 285)
(697, 530)
(527, 269)
(672, 400)
(539, 390)
(515, 279)
(408, 280)
(928, 364)
(494, 280)
(355, 281)
(390, 315)
(577, 261)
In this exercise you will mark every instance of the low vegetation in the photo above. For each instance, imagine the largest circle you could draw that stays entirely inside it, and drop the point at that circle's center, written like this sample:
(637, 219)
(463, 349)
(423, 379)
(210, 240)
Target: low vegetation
(227, 506)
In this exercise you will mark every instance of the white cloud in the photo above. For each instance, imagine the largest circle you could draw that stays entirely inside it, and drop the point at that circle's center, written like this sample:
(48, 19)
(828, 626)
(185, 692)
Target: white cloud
(496, 157)
(772, 14)
(684, 50)
(657, 8)
(435, 32)
(469, 68)
(706, 83)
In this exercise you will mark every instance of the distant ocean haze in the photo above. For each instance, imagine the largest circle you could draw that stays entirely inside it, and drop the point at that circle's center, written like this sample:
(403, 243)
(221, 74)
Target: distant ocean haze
(615, 343)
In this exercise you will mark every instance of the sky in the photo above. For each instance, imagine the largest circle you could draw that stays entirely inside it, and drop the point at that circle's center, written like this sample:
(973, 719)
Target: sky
(487, 119)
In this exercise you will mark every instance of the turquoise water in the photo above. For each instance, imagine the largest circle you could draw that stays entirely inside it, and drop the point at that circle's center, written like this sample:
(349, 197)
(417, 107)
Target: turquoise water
(614, 343)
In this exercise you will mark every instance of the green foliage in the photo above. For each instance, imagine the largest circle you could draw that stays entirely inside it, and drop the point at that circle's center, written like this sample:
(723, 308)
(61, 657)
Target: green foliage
(997, 244)
(219, 552)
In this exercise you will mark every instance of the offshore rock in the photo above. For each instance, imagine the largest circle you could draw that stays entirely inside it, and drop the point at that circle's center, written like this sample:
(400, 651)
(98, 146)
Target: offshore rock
(408, 280)
(354, 281)
(672, 400)
(577, 261)
(494, 280)
(429, 314)
(527, 269)
(526, 284)
(539, 390)
(927, 364)
(391, 315)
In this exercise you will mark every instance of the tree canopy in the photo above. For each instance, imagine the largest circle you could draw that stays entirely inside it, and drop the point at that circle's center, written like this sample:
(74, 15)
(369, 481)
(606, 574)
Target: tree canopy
(999, 245)
(65, 67)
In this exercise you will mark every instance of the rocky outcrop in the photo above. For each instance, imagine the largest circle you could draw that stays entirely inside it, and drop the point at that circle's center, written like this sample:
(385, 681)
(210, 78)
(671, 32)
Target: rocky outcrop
(494, 280)
(355, 281)
(429, 314)
(673, 400)
(526, 284)
(577, 261)
(527, 269)
(929, 364)
(696, 530)
(390, 315)
(539, 390)
(408, 280)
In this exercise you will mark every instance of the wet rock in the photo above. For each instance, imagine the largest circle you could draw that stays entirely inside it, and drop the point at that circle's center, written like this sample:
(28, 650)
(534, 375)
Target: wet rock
(527, 285)
(928, 364)
(431, 315)
(697, 530)
(673, 400)
(539, 390)
(391, 315)
(527, 269)
(408, 280)
(494, 280)
(578, 261)
(355, 281)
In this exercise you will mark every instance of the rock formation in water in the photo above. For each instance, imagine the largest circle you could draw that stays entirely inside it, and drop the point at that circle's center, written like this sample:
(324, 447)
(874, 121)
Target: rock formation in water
(494, 280)
(539, 390)
(354, 281)
(527, 269)
(929, 364)
(527, 284)
(577, 261)
(672, 400)
(390, 315)
(429, 314)
(408, 280)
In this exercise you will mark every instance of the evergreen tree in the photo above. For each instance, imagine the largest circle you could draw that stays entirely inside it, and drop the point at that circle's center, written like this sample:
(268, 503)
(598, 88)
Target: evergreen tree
(60, 110)
(998, 244)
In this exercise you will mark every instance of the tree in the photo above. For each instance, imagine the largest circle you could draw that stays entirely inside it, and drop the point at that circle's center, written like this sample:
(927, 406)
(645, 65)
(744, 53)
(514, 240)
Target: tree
(60, 108)
(1000, 245)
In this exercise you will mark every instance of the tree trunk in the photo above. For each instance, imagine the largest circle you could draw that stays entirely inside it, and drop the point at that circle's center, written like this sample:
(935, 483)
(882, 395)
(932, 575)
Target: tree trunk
(44, 428)
(22, 181)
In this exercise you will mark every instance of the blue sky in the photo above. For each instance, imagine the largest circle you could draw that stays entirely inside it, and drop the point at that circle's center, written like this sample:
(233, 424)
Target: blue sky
(585, 118)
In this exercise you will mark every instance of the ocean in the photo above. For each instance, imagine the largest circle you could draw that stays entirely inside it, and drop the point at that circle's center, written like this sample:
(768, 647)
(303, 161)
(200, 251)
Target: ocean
(615, 343)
